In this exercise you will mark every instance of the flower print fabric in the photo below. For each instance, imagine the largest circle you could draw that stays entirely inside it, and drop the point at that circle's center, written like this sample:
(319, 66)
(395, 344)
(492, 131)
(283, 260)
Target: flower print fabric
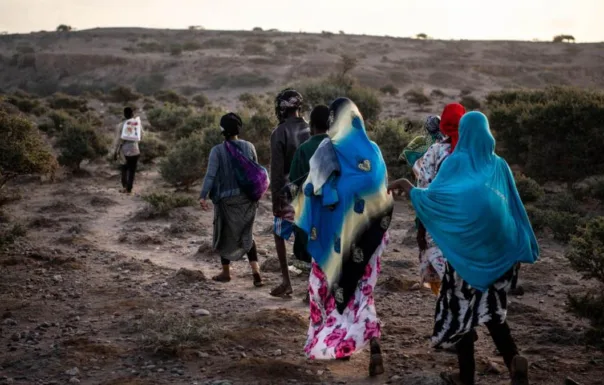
(332, 335)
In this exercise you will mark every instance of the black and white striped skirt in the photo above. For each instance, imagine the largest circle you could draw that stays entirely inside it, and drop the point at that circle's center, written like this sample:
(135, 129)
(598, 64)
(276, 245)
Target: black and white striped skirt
(460, 308)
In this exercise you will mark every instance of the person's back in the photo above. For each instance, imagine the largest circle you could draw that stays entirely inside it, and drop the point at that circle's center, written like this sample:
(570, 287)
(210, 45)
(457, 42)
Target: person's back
(301, 162)
(225, 182)
(285, 140)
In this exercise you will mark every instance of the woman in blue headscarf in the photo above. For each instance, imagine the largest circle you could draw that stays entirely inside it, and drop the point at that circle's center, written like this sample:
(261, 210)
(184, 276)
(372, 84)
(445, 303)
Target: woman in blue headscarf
(345, 208)
(475, 215)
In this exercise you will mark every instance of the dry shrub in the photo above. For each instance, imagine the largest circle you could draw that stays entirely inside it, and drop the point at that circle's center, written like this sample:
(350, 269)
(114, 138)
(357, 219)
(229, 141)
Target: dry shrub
(22, 151)
(161, 204)
(172, 97)
(10, 235)
(61, 101)
(152, 148)
(470, 103)
(150, 84)
(389, 89)
(174, 334)
(417, 96)
(201, 100)
(123, 94)
(168, 117)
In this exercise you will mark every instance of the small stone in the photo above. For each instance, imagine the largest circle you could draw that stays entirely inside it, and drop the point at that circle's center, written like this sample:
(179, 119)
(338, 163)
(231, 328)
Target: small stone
(271, 265)
(74, 380)
(72, 372)
(494, 368)
(202, 313)
(320, 372)
(202, 355)
(278, 353)
(243, 355)
(395, 378)
(9, 322)
(57, 278)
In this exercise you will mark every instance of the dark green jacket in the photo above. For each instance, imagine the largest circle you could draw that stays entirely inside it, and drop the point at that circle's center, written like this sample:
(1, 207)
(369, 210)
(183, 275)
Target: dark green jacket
(301, 161)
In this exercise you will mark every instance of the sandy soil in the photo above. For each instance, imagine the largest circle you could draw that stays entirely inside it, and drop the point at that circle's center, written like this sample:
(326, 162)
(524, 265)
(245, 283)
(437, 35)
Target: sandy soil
(96, 294)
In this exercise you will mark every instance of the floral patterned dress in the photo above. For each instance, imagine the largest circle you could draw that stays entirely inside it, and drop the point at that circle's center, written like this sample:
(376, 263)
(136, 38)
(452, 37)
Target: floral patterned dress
(332, 335)
(432, 261)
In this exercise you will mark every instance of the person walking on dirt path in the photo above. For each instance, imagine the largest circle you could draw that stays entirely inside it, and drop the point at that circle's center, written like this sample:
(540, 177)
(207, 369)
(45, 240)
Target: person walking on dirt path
(234, 212)
(127, 152)
(475, 215)
(285, 140)
(346, 209)
(299, 172)
(432, 262)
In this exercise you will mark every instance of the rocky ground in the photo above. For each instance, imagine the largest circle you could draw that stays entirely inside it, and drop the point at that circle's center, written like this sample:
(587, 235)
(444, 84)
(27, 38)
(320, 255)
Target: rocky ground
(99, 293)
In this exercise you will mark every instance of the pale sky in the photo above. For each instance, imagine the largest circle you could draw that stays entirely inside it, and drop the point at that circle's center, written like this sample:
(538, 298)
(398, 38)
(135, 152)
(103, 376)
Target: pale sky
(444, 19)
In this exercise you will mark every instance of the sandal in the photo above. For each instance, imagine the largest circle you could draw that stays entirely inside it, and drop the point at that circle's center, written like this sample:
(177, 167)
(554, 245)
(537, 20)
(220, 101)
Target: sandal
(283, 290)
(258, 280)
(376, 363)
(221, 278)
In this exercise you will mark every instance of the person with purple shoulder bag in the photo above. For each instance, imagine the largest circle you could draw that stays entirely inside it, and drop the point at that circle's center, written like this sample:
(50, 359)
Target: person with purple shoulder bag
(234, 182)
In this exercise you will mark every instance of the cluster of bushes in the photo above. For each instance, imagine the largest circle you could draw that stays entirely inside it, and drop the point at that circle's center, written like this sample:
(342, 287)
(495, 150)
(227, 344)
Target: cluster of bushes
(586, 255)
(556, 133)
(24, 150)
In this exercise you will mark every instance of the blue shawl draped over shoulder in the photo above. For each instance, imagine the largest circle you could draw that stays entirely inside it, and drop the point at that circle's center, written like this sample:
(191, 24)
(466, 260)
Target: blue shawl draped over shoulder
(344, 205)
(473, 211)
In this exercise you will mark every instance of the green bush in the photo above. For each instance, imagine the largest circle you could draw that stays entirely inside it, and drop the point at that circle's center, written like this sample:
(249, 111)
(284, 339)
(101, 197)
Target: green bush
(184, 165)
(78, 142)
(257, 129)
(162, 204)
(9, 236)
(198, 123)
(470, 103)
(417, 96)
(150, 84)
(556, 133)
(123, 95)
(61, 101)
(24, 102)
(22, 149)
(175, 50)
(586, 255)
(56, 121)
(327, 90)
(172, 97)
(562, 224)
(389, 89)
(529, 189)
(151, 148)
(191, 45)
(201, 100)
(391, 136)
(168, 117)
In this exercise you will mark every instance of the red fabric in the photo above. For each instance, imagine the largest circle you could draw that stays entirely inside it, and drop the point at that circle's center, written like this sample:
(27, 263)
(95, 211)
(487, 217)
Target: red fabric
(449, 122)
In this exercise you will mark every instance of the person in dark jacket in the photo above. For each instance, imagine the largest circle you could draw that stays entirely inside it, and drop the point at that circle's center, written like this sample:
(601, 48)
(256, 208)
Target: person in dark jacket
(285, 140)
(299, 171)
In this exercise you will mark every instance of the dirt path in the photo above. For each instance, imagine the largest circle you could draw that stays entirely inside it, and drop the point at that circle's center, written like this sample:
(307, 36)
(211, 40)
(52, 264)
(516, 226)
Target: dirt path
(89, 286)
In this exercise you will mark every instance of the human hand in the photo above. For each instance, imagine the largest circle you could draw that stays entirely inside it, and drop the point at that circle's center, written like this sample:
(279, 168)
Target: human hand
(205, 206)
(400, 185)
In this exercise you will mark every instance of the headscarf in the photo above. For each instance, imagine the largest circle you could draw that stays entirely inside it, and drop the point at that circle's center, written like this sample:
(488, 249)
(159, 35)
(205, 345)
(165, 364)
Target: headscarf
(473, 210)
(432, 126)
(230, 124)
(420, 144)
(345, 206)
(286, 99)
(449, 122)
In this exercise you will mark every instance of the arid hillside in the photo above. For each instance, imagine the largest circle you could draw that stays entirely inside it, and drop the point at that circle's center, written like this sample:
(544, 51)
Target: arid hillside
(224, 65)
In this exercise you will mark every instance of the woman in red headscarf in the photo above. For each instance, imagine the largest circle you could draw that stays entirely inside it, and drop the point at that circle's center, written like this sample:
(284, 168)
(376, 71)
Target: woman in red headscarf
(432, 262)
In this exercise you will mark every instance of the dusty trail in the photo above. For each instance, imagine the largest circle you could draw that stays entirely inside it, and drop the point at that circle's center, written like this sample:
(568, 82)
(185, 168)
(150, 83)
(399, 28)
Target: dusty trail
(110, 279)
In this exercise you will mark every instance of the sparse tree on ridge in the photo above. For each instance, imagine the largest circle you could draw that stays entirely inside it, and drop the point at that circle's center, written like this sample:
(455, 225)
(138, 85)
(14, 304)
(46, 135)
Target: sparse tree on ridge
(64, 28)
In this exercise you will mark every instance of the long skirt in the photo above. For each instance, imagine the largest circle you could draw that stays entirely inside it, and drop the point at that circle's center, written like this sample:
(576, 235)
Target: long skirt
(332, 335)
(234, 226)
(432, 265)
(460, 308)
